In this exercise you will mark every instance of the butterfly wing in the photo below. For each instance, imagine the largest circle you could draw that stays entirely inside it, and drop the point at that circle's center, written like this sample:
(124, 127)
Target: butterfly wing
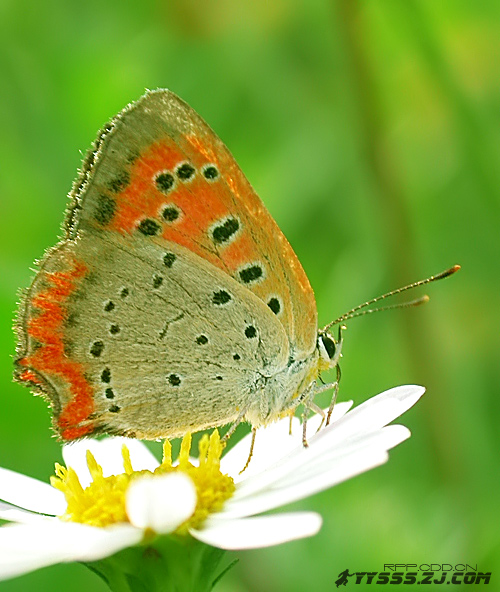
(160, 169)
(126, 337)
(162, 228)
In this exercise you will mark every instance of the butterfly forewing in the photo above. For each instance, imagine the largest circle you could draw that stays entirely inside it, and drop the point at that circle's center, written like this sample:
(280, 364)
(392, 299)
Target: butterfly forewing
(160, 170)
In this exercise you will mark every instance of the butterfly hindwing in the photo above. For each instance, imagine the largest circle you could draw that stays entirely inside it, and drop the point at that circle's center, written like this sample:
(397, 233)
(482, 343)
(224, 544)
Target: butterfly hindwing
(162, 341)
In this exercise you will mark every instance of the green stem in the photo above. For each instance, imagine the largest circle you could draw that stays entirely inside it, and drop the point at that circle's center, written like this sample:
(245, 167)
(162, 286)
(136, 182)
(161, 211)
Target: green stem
(168, 564)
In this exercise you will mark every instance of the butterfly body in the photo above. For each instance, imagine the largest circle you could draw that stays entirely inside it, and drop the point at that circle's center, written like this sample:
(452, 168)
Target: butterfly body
(174, 302)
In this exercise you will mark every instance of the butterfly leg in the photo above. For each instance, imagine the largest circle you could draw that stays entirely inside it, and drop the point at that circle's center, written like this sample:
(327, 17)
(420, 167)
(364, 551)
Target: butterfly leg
(308, 404)
(234, 425)
(250, 454)
(317, 409)
(335, 386)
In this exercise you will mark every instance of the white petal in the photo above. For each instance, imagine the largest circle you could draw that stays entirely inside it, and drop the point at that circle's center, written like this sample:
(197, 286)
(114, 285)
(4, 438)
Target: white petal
(271, 444)
(382, 440)
(24, 548)
(368, 417)
(345, 468)
(161, 503)
(352, 457)
(382, 409)
(263, 531)
(15, 514)
(30, 493)
(108, 453)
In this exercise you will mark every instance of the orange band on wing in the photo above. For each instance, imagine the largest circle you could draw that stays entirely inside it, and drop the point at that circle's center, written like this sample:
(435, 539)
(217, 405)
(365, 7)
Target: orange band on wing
(49, 359)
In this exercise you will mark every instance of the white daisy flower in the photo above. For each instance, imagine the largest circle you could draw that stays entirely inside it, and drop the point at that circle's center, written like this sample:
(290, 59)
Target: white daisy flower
(114, 493)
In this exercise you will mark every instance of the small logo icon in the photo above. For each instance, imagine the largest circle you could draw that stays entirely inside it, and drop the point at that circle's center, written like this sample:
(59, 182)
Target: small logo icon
(343, 578)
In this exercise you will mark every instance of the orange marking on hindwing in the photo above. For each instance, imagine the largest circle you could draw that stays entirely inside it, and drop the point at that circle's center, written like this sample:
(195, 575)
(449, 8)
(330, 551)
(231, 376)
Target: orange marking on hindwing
(29, 376)
(49, 358)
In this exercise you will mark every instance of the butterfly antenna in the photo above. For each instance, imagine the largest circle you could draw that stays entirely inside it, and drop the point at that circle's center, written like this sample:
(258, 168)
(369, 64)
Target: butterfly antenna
(359, 311)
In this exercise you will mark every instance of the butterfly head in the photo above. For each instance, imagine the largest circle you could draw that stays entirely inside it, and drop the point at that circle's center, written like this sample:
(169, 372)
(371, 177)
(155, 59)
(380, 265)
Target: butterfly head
(329, 348)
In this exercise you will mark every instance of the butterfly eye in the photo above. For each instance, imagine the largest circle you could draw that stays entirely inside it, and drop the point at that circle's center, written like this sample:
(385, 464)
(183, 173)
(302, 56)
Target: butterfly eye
(328, 344)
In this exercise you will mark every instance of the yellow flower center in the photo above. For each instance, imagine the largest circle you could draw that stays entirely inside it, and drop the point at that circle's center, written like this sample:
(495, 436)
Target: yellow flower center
(103, 502)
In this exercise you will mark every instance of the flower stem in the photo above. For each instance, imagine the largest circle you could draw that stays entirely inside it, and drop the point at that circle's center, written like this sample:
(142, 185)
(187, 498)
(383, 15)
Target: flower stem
(167, 564)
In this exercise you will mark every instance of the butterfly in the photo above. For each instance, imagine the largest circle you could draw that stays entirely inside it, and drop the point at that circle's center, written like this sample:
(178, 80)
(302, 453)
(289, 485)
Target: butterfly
(174, 302)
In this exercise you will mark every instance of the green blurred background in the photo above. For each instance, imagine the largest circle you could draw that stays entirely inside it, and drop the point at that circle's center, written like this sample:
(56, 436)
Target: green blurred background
(371, 130)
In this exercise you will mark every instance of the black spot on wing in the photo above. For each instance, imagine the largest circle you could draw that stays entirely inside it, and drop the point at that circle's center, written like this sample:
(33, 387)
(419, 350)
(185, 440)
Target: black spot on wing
(164, 182)
(250, 332)
(119, 182)
(224, 231)
(149, 227)
(169, 259)
(170, 213)
(274, 305)
(221, 297)
(210, 172)
(174, 379)
(106, 375)
(157, 281)
(251, 273)
(104, 209)
(97, 348)
(185, 172)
